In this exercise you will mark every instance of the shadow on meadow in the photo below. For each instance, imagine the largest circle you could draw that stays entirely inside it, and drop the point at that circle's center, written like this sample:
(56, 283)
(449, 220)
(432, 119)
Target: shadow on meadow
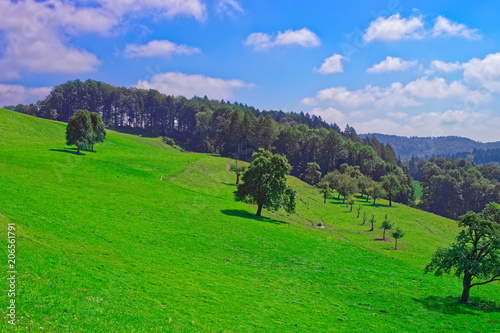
(72, 151)
(229, 184)
(450, 305)
(247, 215)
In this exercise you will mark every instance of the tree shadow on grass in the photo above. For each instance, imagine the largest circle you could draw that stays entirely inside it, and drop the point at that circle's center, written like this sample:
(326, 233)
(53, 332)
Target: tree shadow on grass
(69, 151)
(247, 215)
(230, 184)
(450, 305)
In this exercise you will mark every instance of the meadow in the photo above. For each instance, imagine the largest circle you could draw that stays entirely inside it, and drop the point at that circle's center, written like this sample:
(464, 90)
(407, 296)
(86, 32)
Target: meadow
(141, 237)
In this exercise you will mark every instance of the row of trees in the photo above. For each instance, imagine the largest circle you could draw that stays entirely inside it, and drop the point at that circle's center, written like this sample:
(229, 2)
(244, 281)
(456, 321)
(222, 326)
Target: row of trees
(348, 180)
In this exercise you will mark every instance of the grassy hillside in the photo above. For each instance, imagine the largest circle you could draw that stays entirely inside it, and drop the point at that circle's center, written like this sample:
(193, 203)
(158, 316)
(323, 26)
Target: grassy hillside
(139, 237)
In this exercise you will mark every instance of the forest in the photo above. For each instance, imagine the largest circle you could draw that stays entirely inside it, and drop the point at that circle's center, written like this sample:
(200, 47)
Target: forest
(450, 187)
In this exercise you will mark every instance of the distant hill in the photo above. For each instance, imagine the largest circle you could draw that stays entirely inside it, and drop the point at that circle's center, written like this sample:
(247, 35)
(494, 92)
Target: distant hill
(405, 147)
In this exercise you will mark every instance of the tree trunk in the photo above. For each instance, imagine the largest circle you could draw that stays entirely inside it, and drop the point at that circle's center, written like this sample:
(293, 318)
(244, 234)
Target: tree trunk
(338, 196)
(367, 197)
(372, 227)
(384, 235)
(374, 201)
(78, 149)
(390, 202)
(324, 199)
(351, 209)
(465, 293)
(358, 214)
(237, 178)
(396, 246)
(259, 210)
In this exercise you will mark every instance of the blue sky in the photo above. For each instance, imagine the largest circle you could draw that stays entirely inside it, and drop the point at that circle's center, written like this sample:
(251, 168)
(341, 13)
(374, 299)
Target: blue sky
(423, 68)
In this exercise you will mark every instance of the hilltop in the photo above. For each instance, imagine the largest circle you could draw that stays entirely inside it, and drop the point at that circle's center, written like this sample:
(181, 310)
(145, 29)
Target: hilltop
(140, 236)
(420, 147)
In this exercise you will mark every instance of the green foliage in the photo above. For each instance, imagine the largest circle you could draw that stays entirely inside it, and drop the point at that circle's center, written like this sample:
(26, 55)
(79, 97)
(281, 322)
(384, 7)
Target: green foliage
(386, 225)
(391, 186)
(98, 129)
(351, 201)
(397, 234)
(375, 191)
(264, 183)
(168, 141)
(475, 253)
(372, 221)
(313, 173)
(237, 170)
(79, 130)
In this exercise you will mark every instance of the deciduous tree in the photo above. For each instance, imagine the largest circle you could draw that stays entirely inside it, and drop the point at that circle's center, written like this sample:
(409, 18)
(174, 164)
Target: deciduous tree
(475, 254)
(264, 183)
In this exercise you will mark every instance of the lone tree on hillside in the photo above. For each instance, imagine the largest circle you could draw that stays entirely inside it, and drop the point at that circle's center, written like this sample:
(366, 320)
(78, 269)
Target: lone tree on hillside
(98, 129)
(386, 225)
(264, 183)
(237, 170)
(84, 130)
(397, 234)
(351, 201)
(79, 131)
(475, 253)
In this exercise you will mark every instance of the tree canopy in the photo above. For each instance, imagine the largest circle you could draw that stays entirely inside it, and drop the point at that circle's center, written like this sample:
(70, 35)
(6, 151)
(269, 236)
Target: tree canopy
(84, 130)
(475, 254)
(264, 183)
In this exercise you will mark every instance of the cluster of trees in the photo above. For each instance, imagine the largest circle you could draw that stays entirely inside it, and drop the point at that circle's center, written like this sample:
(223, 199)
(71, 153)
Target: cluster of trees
(451, 188)
(348, 180)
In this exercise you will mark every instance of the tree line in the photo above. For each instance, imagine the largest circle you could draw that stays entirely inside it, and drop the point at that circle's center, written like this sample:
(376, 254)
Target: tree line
(211, 126)
(451, 187)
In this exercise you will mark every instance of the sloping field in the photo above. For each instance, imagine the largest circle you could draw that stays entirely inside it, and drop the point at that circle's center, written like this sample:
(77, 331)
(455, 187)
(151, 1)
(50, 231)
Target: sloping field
(139, 237)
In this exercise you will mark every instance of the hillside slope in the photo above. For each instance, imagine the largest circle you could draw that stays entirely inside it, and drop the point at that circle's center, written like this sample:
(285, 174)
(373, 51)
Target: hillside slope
(139, 237)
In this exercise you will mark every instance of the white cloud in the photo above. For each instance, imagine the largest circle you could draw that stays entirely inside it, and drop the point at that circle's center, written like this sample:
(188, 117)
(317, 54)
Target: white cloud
(445, 27)
(391, 64)
(229, 7)
(158, 48)
(397, 94)
(167, 8)
(332, 65)
(397, 115)
(445, 67)
(330, 115)
(16, 94)
(176, 84)
(450, 122)
(394, 28)
(485, 72)
(35, 33)
(263, 42)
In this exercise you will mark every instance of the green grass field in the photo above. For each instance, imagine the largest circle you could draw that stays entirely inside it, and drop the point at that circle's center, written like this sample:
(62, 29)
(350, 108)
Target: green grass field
(104, 245)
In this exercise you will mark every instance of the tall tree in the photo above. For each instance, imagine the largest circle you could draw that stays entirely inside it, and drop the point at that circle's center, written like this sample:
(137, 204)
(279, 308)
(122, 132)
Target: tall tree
(391, 186)
(313, 174)
(79, 130)
(264, 183)
(98, 130)
(475, 255)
